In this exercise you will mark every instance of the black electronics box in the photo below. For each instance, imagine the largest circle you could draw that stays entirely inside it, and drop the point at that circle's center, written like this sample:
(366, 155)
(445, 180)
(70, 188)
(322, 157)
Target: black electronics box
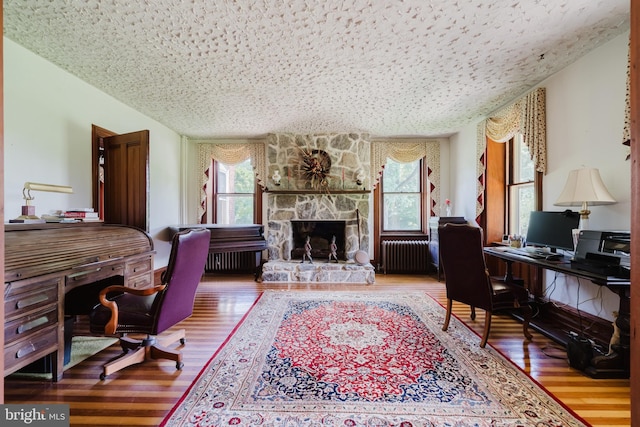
(609, 242)
(599, 263)
(603, 252)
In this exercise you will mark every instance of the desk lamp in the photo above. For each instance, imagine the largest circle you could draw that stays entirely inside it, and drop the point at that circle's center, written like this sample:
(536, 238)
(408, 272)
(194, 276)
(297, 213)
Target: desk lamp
(584, 187)
(28, 210)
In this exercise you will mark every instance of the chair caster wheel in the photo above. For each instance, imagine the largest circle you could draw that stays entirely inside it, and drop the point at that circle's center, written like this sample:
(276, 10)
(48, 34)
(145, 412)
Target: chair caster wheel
(102, 377)
(179, 365)
(183, 340)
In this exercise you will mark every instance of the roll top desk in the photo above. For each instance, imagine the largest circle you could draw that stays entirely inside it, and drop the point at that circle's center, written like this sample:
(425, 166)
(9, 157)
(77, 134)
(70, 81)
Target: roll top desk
(43, 262)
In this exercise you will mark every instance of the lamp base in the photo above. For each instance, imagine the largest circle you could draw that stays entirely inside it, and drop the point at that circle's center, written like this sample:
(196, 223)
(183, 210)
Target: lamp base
(28, 211)
(28, 216)
(584, 218)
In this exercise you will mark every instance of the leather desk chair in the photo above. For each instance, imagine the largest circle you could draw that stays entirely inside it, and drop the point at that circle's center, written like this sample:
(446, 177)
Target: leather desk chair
(467, 279)
(152, 311)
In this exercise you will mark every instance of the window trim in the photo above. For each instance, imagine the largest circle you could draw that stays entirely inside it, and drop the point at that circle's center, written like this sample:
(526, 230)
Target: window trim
(212, 200)
(382, 234)
(510, 183)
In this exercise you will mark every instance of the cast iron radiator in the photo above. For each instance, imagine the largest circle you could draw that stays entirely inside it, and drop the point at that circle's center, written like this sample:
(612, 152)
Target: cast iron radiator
(405, 256)
(231, 262)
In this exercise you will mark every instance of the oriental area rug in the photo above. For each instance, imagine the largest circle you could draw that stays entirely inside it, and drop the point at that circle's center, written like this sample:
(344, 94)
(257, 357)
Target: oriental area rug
(360, 359)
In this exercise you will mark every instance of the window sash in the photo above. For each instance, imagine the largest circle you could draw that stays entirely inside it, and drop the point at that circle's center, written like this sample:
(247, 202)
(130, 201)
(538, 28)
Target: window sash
(404, 203)
(232, 208)
(521, 192)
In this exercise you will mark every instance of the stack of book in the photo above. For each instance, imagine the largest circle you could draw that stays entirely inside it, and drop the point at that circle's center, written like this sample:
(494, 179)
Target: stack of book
(83, 214)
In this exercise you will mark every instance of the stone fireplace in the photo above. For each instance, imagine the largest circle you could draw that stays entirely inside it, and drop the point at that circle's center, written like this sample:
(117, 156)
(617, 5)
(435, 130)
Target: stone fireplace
(296, 207)
(285, 210)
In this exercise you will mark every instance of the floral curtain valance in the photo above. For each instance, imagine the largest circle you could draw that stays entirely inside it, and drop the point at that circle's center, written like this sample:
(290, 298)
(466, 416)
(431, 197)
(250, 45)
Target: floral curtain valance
(527, 116)
(233, 153)
(229, 153)
(626, 131)
(408, 151)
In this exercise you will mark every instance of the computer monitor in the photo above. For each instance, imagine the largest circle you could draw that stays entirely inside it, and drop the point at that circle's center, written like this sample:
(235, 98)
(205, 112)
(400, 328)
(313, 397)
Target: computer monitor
(552, 229)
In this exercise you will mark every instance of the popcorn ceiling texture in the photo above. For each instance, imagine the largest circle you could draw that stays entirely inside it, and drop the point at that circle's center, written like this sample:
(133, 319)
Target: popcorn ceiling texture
(251, 67)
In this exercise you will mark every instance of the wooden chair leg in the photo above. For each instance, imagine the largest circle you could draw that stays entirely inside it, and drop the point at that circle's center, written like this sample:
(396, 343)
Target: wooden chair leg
(447, 317)
(125, 359)
(145, 350)
(166, 340)
(128, 343)
(160, 350)
(487, 327)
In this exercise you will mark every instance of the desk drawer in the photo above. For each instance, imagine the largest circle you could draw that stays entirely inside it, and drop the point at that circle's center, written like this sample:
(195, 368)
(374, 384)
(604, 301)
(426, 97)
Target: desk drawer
(140, 282)
(93, 274)
(26, 325)
(139, 266)
(21, 299)
(23, 352)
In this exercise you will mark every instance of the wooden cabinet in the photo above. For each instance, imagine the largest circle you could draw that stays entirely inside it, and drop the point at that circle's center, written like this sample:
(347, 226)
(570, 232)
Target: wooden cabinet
(43, 262)
(32, 315)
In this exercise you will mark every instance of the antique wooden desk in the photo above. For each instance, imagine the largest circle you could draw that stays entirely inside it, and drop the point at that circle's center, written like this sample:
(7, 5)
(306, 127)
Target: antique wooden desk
(616, 366)
(43, 262)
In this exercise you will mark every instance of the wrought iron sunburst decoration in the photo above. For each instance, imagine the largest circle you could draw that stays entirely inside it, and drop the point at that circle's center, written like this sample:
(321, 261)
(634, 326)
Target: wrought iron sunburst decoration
(315, 168)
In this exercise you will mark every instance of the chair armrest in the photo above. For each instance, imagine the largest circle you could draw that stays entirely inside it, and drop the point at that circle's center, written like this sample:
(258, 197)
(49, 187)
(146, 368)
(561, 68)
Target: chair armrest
(110, 327)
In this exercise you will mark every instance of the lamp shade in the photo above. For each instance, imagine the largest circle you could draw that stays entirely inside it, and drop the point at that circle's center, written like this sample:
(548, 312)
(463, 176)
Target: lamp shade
(584, 185)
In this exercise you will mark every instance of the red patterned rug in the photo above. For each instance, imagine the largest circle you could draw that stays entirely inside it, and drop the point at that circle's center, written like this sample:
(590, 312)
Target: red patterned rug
(358, 359)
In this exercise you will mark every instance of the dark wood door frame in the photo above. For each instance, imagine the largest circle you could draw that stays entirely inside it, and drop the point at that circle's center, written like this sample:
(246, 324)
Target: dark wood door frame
(634, 57)
(97, 148)
(120, 173)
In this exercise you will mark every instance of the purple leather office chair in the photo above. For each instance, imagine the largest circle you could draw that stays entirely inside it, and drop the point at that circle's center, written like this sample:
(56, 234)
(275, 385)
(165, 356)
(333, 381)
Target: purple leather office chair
(152, 311)
(467, 279)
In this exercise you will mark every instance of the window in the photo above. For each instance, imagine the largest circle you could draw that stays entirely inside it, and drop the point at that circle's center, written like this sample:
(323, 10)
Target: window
(403, 197)
(520, 186)
(233, 198)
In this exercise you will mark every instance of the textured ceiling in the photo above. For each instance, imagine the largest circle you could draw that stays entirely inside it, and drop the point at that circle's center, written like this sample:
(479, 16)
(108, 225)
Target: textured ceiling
(246, 68)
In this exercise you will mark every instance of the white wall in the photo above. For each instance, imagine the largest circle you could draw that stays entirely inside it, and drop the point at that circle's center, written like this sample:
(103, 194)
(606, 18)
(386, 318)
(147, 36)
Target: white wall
(463, 172)
(585, 118)
(48, 118)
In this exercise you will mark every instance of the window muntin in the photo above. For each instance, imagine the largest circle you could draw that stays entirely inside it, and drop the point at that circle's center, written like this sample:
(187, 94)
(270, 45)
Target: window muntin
(402, 196)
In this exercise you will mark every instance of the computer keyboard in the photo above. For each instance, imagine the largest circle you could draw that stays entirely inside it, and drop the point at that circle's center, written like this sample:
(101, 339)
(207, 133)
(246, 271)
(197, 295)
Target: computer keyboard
(528, 254)
(534, 254)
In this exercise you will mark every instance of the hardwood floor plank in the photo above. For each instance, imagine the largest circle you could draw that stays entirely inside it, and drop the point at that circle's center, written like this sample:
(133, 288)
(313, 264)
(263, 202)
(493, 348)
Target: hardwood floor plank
(143, 394)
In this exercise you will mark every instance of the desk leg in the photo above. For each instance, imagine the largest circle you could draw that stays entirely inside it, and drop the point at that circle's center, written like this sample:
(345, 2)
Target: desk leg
(258, 271)
(616, 364)
(508, 276)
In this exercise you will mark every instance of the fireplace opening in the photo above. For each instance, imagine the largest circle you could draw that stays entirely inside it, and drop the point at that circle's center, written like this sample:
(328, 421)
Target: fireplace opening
(320, 232)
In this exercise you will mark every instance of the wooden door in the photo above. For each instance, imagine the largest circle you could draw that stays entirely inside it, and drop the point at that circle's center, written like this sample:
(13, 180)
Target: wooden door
(635, 210)
(121, 189)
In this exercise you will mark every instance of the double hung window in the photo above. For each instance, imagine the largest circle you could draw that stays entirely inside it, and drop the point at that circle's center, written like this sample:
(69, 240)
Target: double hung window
(520, 186)
(233, 198)
(404, 197)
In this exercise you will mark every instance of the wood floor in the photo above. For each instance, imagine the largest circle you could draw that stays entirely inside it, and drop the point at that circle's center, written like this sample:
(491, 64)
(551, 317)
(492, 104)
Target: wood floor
(143, 394)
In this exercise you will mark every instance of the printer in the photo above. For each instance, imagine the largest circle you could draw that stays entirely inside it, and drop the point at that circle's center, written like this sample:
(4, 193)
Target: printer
(603, 252)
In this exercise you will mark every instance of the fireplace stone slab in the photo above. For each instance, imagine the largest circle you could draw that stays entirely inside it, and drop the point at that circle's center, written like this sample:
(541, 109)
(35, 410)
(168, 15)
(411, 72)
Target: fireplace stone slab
(318, 272)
